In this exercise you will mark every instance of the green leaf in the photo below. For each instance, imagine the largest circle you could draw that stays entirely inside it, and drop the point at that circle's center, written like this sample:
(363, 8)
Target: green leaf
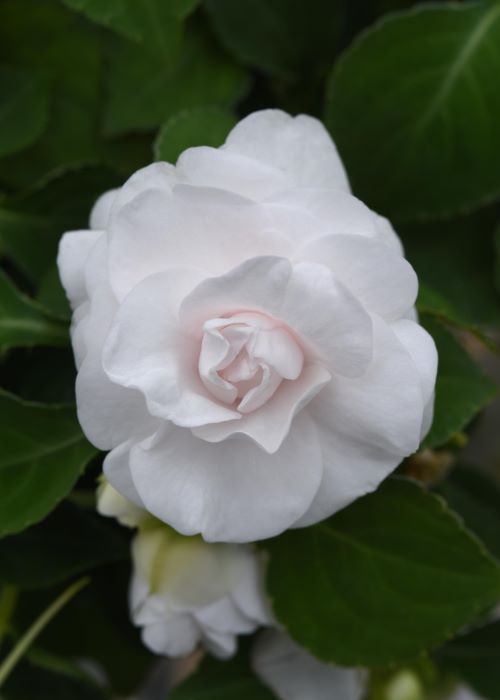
(474, 657)
(414, 105)
(23, 322)
(222, 680)
(69, 542)
(201, 126)
(467, 245)
(201, 76)
(462, 389)
(43, 453)
(282, 37)
(476, 497)
(392, 575)
(52, 296)
(23, 111)
(48, 40)
(155, 23)
(32, 224)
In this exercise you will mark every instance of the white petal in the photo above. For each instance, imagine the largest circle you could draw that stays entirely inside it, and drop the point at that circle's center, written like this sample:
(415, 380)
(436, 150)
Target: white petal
(216, 167)
(294, 674)
(300, 147)
(99, 216)
(217, 490)
(367, 425)
(116, 467)
(307, 298)
(113, 504)
(145, 350)
(193, 227)
(178, 637)
(421, 347)
(269, 425)
(378, 276)
(74, 249)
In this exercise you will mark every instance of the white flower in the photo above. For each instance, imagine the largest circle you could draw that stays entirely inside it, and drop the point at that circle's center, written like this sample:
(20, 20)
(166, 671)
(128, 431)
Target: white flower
(294, 674)
(185, 591)
(243, 334)
(111, 504)
(463, 692)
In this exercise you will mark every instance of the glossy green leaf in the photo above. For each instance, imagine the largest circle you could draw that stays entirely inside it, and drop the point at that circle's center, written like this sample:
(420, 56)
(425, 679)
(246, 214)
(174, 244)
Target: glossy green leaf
(467, 245)
(68, 542)
(413, 106)
(222, 680)
(24, 109)
(283, 37)
(45, 38)
(23, 322)
(32, 224)
(476, 497)
(201, 126)
(43, 453)
(462, 389)
(201, 76)
(155, 23)
(392, 575)
(474, 658)
(52, 296)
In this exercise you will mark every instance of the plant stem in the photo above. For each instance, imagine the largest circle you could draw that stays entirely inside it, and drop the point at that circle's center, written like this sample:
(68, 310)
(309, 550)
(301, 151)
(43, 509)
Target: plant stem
(39, 624)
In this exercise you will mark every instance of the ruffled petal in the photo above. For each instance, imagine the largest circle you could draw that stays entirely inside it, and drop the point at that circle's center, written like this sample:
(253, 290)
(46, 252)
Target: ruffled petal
(196, 227)
(378, 276)
(74, 249)
(306, 297)
(300, 147)
(269, 425)
(218, 490)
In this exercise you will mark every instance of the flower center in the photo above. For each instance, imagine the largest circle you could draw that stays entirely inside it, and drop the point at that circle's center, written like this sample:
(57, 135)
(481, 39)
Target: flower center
(245, 357)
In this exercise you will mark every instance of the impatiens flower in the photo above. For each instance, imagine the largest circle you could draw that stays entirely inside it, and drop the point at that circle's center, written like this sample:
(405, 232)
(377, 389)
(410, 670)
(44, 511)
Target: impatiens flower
(294, 674)
(245, 336)
(186, 591)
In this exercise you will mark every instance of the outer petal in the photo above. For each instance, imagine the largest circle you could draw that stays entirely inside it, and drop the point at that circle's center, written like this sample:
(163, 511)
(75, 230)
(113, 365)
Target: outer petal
(194, 227)
(74, 249)
(100, 214)
(300, 147)
(176, 638)
(231, 491)
(320, 311)
(378, 276)
(367, 425)
(233, 172)
(303, 214)
(294, 674)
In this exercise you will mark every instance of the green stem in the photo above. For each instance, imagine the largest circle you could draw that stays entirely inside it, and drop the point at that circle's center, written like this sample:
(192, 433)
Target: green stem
(40, 623)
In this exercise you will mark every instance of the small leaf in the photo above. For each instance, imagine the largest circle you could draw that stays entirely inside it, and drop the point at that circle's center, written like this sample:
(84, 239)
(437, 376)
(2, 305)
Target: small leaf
(462, 389)
(474, 658)
(201, 126)
(155, 23)
(476, 497)
(43, 453)
(222, 680)
(202, 76)
(23, 322)
(392, 575)
(68, 542)
(413, 106)
(282, 37)
(32, 224)
(23, 111)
